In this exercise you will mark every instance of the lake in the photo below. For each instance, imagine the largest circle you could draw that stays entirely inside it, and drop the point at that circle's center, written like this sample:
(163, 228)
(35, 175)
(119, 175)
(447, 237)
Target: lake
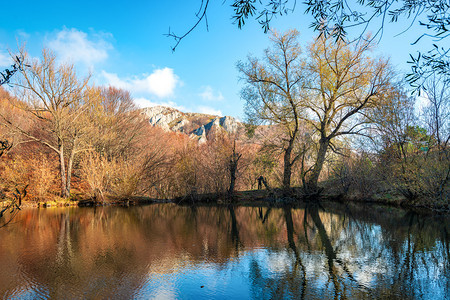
(165, 251)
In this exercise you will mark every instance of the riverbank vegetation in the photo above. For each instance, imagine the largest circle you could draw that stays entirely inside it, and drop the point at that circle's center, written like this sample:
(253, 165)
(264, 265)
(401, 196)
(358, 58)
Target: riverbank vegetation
(328, 120)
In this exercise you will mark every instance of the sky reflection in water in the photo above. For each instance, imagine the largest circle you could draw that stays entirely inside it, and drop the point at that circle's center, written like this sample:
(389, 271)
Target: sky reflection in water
(175, 252)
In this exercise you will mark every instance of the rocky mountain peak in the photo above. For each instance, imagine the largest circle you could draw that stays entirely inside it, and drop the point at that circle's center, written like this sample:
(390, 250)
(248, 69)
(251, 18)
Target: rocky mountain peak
(161, 115)
(198, 126)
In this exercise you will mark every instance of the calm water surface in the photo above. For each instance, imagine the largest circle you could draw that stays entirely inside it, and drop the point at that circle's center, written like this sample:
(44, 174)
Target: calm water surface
(177, 252)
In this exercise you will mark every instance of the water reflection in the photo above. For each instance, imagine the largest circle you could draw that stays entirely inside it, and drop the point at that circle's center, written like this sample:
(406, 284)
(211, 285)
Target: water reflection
(168, 251)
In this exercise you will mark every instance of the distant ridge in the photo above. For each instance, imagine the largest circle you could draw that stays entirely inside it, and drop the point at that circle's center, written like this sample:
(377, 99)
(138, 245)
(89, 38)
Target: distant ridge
(197, 125)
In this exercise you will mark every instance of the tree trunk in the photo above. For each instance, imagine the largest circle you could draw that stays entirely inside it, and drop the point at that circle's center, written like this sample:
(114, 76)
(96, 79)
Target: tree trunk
(287, 168)
(233, 165)
(69, 171)
(62, 164)
(233, 168)
(311, 185)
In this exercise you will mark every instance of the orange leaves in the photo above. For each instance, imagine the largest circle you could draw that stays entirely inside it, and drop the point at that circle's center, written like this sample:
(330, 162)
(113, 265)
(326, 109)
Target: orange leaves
(36, 171)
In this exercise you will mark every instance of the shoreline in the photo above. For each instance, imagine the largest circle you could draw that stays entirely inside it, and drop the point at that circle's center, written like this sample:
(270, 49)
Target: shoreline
(252, 197)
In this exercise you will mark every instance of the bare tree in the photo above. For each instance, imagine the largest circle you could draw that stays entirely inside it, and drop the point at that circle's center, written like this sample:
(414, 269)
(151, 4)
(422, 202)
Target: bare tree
(54, 100)
(392, 119)
(233, 163)
(437, 113)
(272, 93)
(118, 125)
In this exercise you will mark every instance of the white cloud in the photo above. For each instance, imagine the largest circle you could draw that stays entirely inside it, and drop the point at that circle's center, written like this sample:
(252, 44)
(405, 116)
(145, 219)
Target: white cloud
(5, 60)
(144, 102)
(421, 103)
(77, 47)
(209, 110)
(161, 83)
(114, 80)
(209, 94)
(23, 34)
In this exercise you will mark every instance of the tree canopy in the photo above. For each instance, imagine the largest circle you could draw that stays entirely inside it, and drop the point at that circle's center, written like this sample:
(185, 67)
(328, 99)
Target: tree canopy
(332, 90)
(273, 94)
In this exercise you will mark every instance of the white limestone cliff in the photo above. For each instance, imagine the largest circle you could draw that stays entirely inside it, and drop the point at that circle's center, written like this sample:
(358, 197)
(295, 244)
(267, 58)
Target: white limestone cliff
(197, 126)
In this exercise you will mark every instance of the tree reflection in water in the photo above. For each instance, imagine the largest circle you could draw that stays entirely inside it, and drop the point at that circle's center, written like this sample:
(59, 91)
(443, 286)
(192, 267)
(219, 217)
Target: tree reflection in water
(172, 251)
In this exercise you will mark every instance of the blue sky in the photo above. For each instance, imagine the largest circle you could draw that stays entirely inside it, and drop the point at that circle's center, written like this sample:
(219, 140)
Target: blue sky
(123, 44)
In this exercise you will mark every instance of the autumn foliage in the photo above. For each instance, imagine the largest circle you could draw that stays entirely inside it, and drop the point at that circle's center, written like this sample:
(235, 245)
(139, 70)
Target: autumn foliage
(68, 138)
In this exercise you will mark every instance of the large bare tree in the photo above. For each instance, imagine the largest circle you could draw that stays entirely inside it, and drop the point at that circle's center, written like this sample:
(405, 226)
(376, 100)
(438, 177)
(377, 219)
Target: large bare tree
(273, 93)
(54, 99)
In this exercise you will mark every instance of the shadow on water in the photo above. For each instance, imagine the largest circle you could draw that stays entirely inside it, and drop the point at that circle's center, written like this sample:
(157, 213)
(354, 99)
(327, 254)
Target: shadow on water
(171, 251)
